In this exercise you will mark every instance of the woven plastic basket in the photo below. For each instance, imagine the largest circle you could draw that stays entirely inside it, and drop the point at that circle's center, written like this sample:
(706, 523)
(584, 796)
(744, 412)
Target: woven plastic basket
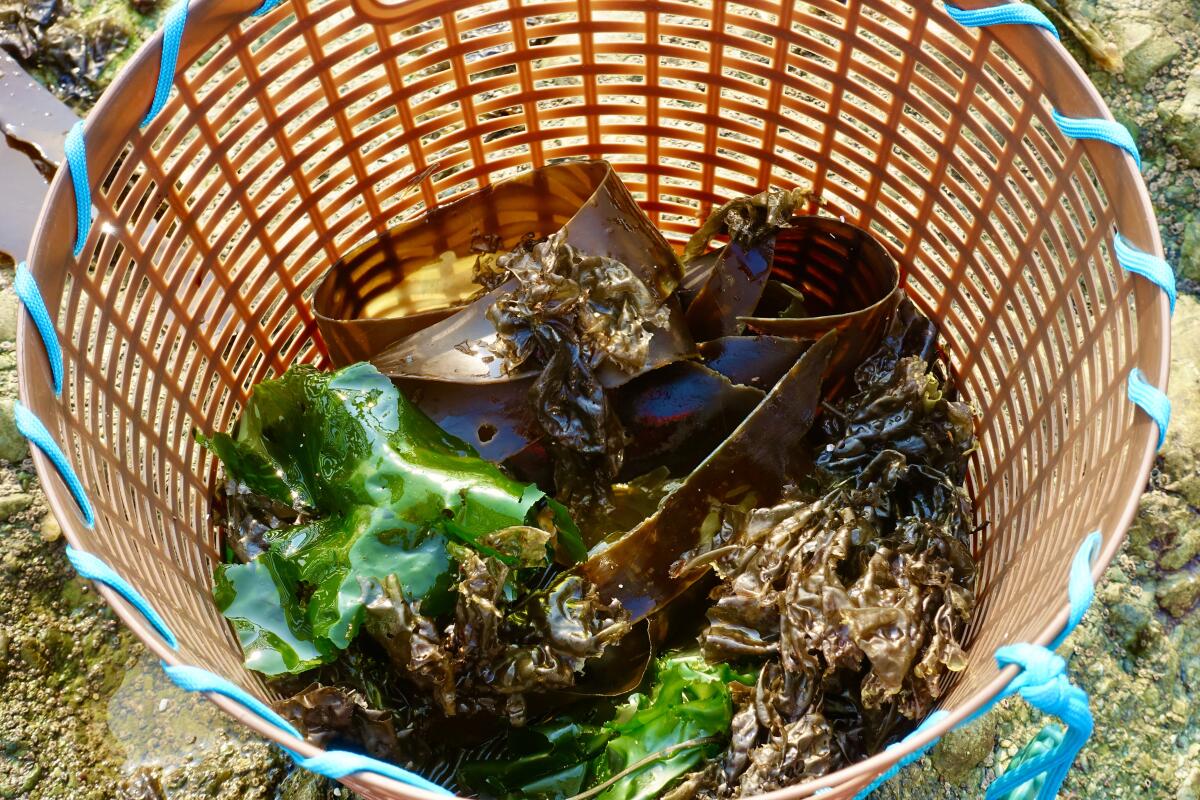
(977, 152)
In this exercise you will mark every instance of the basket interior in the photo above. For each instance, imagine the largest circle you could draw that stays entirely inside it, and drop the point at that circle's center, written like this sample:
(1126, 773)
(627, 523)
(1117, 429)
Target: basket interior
(295, 136)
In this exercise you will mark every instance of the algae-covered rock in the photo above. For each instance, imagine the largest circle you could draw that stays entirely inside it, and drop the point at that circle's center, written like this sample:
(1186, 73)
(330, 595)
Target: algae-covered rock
(1181, 118)
(961, 751)
(1188, 265)
(1179, 592)
(13, 446)
(14, 503)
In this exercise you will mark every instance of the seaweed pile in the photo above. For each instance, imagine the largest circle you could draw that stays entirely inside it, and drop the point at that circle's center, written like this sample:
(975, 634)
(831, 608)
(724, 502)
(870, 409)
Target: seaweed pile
(574, 517)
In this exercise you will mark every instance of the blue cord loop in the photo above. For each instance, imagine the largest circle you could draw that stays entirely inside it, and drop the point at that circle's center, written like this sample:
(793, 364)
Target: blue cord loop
(1007, 14)
(1150, 399)
(333, 764)
(1103, 130)
(265, 8)
(1044, 684)
(173, 25)
(195, 679)
(337, 764)
(909, 758)
(1081, 589)
(32, 429)
(76, 153)
(1154, 269)
(93, 568)
(31, 297)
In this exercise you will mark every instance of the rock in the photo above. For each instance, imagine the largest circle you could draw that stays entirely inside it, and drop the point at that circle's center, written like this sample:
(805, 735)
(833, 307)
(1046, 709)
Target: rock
(49, 529)
(962, 750)
(1178, 592)
(1189, 787)
(1130, 623)
(1182, 120)
(8, 315)
(1165, 530)
(14, 503)
(1188, 265)
(1179, 450)
(1185, 640)
(1151, 53)
(13, 446)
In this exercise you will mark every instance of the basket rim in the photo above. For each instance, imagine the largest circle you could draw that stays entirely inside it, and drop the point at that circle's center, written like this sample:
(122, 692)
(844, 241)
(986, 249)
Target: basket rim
(1055, 73)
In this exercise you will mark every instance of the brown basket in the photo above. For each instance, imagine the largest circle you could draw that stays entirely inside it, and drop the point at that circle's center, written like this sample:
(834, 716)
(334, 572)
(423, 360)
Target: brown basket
(291, 137)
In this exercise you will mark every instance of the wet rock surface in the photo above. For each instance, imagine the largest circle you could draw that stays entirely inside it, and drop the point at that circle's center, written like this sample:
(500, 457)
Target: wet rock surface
(81, 702)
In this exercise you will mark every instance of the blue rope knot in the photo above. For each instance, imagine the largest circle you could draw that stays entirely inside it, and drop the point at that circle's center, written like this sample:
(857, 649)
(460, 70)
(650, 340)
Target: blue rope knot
(1039, 665)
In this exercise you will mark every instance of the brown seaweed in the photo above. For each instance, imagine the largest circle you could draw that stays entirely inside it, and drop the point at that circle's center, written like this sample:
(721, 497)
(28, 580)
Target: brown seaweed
(848, 283)
(760, 458)
(758, 361)
(732, 290)
(679, 414)
(749, 219)
(330, 715)
(496, 650)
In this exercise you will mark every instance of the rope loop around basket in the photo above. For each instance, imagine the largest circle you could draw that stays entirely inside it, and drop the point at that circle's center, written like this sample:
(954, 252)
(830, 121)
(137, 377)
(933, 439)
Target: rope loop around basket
(31, 297)
(96, 569)
(334, 764)
(1152, 268)
(1007, 14)
(1099, 129)
(1150, 399)
(32, 429)
(76, 154)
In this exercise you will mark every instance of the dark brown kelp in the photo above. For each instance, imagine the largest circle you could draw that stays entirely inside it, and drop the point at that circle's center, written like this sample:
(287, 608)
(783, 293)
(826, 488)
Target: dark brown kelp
(757, 460)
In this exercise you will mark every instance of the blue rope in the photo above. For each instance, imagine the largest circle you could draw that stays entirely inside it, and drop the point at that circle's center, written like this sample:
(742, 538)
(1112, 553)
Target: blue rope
(1080, 587)
(1007, 14)
(31, 297)
(266, 7)
(195, 679)
(173, 25)
(93, 568)
(1151, 400)
(1044, 684)
(1103, 130)
(908, 758)
(76, 154)
(32, 429)
(1154, 269)
(337, 764)
(332, 764)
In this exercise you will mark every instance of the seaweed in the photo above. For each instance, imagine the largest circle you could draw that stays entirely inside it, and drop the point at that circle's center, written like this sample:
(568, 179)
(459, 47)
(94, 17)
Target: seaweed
(651, 740)
(568, 313)
(855, 592)
(497, 647)
(378, 491)
(748, 219)
(763, 455)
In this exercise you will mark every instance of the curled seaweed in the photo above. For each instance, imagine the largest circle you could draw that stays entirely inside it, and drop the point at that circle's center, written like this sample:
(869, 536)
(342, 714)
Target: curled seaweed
(496, 649)
(746, 219)
(859, 594)
(569, 313)
(329, 715)
(763, 455)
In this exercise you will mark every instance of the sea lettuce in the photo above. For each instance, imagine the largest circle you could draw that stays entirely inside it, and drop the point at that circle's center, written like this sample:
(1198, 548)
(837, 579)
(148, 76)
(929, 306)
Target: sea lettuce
(379, 490)
(684, 718)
